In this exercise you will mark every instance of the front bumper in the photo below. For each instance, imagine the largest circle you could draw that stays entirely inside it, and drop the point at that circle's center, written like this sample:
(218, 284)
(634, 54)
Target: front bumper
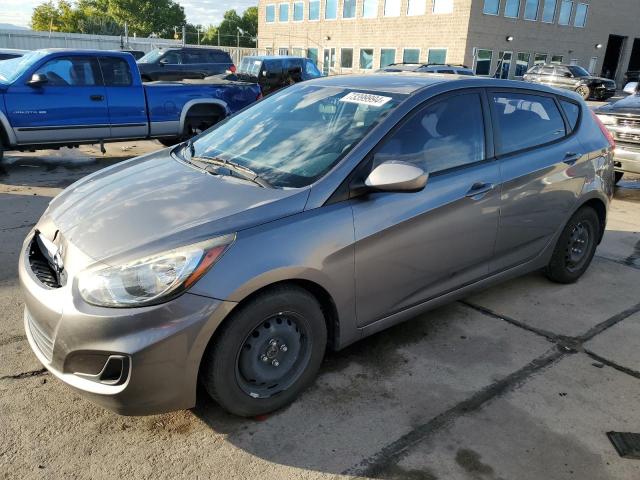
(627, 159)
(160, 346)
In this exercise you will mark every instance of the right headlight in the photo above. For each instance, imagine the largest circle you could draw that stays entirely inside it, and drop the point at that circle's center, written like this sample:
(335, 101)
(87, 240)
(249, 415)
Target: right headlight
(152, 279)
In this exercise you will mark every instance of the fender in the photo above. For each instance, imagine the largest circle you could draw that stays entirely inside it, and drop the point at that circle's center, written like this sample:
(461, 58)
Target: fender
(4, 121)
(202, 101)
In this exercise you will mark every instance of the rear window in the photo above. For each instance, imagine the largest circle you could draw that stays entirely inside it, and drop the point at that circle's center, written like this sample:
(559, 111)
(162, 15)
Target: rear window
(526, 121)
(572, 111)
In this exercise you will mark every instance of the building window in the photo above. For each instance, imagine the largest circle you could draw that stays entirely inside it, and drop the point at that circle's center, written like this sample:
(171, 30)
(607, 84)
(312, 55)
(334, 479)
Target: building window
(411, 55)
(346, 57)
(531, 9)
(522, 64)
(442, 6)
(387, 57)
(349, 9)
(581, 15)
(491, 7)
(504, 65)
(540, 58)
(483, 62)
(549, 10)
(366, 58)
(297, 52)
(557, 59)
(437, 56)
(283, 12)
(312, 54)
(416, 7)
(283, 51)
(512, 9)
(565, 12)
(392, 8)
(314, 9)
(370, 8)
(270, 13)
(330, 9)
(298, 11)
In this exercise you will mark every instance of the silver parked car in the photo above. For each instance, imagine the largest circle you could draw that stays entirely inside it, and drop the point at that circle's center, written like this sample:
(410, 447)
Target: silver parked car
(318, 216)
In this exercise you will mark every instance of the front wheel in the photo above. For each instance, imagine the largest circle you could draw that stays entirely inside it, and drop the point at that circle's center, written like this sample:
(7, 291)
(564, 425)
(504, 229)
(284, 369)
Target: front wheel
(583, 91)
(266, 353)
(575, 247)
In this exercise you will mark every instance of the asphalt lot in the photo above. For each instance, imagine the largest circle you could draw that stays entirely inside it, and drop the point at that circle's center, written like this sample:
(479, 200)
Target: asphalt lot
(518, 382)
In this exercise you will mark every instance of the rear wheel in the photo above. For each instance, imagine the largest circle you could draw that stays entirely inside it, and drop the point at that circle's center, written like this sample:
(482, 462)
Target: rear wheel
(617, 177)
(583, 91)
(266, 353)
(575, 247)
(169, 142)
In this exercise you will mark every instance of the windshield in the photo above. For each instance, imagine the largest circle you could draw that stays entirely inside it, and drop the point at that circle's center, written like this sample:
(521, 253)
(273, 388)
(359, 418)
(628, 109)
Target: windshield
(578, 71)
(249, 67)
(293, 137)
(11, 69)
(151, 56)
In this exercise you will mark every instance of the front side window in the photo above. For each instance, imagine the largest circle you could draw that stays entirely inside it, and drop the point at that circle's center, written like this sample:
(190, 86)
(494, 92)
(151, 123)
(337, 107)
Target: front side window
(387, 57)
(512, 8)
(578, 71)
(330, 9)
(437, 137)
(392, 8)
(526, 121)
(416, 7)
(531, 9)
(366, 58)
(491, 7)
(346, 57)
(283, 12)
(370, 8)
(522, 64)
(442, 6)
(411, 55)
(565, 12)
(483, 62)
(437, 56)
(270, 13)
(295, 136)
(581, 15)
(311, 70)
(71, 72)
(298, 11)
(115, 72)
(549, 10)
(314, 9)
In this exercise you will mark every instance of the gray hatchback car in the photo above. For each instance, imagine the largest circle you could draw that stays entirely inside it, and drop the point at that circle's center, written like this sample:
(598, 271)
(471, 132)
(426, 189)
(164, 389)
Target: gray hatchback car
(318, 216)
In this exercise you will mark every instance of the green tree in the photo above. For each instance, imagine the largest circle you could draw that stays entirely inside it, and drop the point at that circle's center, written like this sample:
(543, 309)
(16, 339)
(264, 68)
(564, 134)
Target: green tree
(248, 25)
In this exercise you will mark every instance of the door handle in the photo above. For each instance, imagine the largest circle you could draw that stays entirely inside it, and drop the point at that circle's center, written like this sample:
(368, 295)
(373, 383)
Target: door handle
(570, 158)
(479, 188)
(97, 98)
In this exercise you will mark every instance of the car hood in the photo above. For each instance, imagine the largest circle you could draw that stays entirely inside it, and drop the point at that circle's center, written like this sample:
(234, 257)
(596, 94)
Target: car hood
(156, 201)
(630, 104)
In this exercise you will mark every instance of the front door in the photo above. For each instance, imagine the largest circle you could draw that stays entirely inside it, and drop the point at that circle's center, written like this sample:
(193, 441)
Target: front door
(542, 173)
(411, 247)
(70, 106)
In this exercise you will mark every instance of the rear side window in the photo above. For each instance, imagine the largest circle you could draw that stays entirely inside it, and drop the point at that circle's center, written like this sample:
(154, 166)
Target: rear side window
(437, 137)
(572, 111)
(115, 72)
(218, 57)
(526, 121)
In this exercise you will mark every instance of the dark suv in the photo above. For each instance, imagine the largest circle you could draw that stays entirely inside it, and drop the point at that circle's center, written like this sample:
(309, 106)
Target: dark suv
(181, 63)
(275, 72)
(572, 77)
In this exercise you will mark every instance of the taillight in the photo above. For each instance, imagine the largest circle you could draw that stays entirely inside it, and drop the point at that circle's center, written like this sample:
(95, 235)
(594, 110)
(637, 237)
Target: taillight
(604, 130)
(259, 97)
(232, 69)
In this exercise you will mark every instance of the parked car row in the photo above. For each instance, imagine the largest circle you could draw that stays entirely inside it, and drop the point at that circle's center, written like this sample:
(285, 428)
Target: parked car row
(572, 77)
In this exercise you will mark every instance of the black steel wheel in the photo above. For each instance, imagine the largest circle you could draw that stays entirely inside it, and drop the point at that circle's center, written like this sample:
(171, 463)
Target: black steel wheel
(575, 248)
(266, 352)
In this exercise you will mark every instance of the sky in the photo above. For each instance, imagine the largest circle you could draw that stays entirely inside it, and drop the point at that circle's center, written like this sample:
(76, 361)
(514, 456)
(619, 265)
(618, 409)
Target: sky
(204, 12)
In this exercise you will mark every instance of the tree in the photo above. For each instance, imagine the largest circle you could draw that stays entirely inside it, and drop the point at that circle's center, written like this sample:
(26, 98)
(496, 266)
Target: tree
(248, 24)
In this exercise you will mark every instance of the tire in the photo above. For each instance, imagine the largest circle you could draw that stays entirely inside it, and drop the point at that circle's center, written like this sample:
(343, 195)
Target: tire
(617, 177)
(282, 327)
(575, 247)
(583, 91)
(169, 142)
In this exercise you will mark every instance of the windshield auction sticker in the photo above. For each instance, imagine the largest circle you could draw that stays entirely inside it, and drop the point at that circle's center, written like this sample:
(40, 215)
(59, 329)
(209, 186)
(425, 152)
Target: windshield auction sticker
(365, 99)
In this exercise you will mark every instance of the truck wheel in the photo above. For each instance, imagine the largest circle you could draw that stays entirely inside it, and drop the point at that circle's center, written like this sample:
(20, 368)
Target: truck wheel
(169, 142)
(617, 177)
(583, 91)
(266, 353)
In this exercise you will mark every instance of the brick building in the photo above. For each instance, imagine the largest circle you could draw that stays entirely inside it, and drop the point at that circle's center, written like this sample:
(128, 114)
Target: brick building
(362, 35)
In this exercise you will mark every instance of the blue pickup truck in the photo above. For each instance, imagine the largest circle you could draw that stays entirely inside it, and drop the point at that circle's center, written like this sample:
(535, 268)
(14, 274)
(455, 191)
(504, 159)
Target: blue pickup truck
(54, 98)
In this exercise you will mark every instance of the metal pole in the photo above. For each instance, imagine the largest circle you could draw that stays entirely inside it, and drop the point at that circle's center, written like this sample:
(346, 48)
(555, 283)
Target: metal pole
(184, 35)
(218, 36)
(126, 34)
(237, 37)
(198, 30)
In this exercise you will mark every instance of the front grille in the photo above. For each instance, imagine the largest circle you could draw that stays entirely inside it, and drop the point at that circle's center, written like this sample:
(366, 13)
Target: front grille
(627, 137)
(41, 268)
(40, 338)
(629, 122)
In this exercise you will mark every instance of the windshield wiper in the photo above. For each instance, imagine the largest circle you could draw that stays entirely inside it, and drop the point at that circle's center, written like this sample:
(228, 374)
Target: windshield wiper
(241, 171)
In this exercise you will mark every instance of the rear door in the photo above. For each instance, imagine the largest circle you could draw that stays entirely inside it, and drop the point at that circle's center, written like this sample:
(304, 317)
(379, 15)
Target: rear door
(412, 247)
(70, 106)
(125, 99)
(542, 168)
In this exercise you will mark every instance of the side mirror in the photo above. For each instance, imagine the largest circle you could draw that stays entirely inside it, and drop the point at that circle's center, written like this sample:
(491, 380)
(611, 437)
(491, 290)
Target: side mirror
(631, 87)
(163, 61)
(568, 74)
(37, 80)
(396, 176)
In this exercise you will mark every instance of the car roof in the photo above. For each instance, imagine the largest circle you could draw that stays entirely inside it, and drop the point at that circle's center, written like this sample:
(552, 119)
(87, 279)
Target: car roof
(12, 50)
(85, 51)
(272, 57)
